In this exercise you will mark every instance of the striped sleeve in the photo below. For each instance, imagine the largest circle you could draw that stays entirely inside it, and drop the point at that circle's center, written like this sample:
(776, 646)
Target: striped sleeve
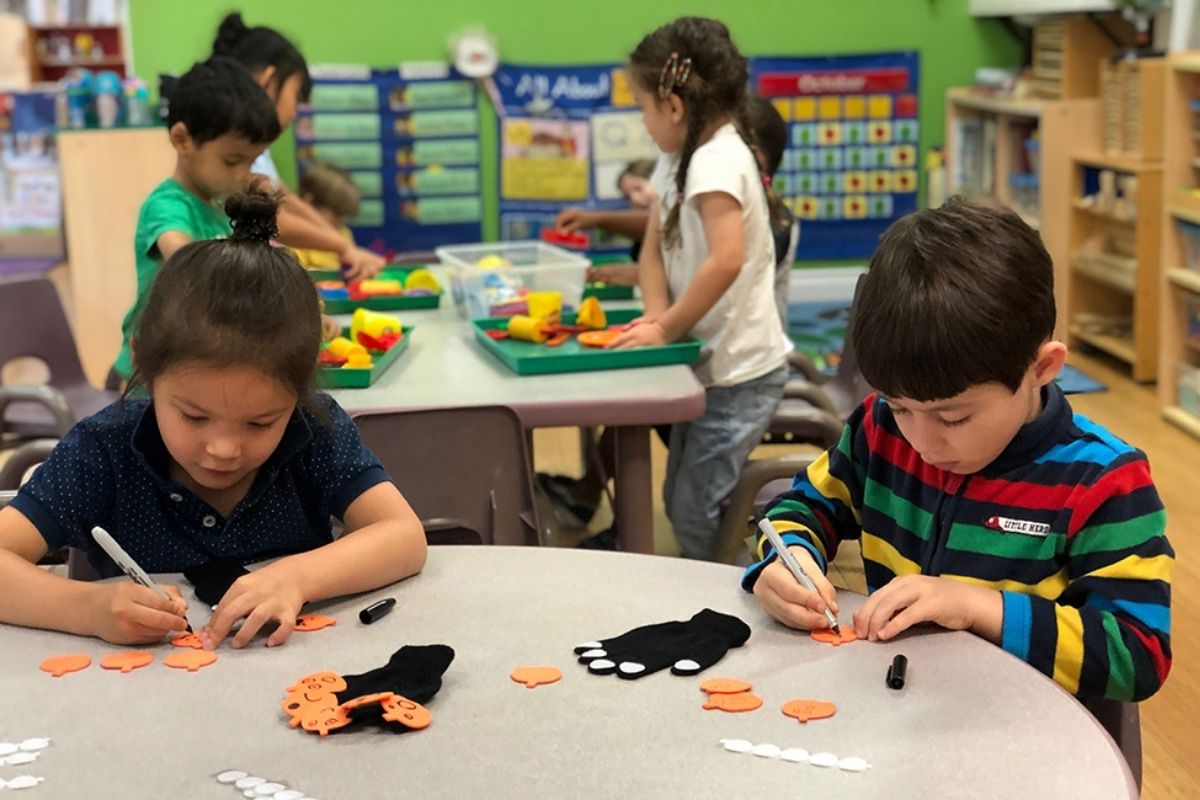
(1109, 633)
(824, 504)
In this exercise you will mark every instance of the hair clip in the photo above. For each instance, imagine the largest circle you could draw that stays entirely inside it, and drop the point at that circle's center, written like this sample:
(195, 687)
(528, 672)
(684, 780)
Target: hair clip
(675, 73)
(766, 179)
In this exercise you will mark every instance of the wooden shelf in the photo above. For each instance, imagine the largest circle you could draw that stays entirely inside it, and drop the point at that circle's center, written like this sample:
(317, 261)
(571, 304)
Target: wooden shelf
(1118, 163)
(1109, 219)
(1185, 279)
(1113, 345)
(996, 103)
(1094, 269)
(1191, 64)
(1185, 206)
(1177, 416)
(107, 61)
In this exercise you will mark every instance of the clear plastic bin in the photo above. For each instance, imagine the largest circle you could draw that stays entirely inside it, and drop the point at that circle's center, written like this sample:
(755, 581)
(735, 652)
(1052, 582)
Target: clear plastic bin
(509, 271)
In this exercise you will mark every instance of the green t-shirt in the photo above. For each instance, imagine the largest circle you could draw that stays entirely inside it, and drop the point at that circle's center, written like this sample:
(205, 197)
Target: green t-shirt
(170, 207)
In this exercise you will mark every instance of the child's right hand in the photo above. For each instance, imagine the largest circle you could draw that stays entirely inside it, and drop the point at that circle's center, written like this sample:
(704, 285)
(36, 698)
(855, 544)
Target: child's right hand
(572, 219)
(127, 613)
(362, 264)
(782, 596)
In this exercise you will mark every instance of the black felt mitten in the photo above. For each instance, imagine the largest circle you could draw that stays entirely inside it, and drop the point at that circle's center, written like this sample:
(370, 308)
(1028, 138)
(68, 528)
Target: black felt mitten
(413, 671)
(686, 647)
(212, 580)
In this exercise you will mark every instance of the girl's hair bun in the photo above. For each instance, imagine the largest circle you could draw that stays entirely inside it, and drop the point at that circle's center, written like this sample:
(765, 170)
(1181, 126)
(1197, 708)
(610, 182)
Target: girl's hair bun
(231, 31)
(253, 213)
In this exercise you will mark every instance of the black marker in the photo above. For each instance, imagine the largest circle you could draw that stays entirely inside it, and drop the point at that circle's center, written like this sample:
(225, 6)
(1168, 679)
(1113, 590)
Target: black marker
(376, 611)
(895, 673)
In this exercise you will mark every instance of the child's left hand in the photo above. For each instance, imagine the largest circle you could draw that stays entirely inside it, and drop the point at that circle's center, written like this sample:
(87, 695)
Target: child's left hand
(330, 329)
(644, 333)
(270, 593)
(912, 599)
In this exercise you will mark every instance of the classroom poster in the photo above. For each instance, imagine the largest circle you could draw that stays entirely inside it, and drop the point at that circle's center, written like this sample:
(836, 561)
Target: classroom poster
(30, 191)
(851, 167)
(565, 135)
(409, 139)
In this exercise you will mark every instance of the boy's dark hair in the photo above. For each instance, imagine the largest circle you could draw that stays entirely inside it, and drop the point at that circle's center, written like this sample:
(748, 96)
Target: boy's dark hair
(261, 47)
(236, 301)
(331, 188)
(217, 97)
(955, 297)
(695, 58)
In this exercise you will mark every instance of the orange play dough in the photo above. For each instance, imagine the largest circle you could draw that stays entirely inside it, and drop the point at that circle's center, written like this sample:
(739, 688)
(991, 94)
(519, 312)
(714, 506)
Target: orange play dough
(536, 676)
(804, 710)
(725, 686)
(827, 636)
(191, 660)
(742, 701)
(191, 640)
(61, 665)
(313, 622)
(597, 338)
(128, 661)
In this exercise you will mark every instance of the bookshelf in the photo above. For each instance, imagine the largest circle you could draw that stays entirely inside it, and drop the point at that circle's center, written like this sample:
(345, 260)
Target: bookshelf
(988, 143)
(1179, 348)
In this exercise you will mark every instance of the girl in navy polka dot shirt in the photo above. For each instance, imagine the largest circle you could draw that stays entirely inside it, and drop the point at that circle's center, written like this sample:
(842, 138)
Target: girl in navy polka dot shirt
(231, 459)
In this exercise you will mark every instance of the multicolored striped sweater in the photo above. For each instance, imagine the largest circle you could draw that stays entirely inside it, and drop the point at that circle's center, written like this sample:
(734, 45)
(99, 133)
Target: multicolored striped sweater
(1065, 524)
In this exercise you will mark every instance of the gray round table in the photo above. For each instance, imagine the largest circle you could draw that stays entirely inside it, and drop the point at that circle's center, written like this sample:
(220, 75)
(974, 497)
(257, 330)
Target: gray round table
(971, 722)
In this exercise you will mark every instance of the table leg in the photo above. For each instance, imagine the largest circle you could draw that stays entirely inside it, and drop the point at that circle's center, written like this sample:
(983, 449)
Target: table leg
(634, 511)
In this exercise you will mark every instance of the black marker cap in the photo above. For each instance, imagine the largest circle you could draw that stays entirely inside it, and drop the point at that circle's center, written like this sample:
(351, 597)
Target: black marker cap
(376, 611)
(895, 673)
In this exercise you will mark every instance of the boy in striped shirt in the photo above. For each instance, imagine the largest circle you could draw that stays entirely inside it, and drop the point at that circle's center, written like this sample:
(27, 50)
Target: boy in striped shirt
(981, 501)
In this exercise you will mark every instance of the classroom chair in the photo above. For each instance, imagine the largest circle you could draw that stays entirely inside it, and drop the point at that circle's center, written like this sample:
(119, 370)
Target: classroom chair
(465, 471)
(33, 324)
(1124, 725)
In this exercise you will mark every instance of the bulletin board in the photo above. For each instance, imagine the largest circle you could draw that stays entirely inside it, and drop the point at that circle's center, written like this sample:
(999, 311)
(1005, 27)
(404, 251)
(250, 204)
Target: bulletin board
(409, 139)
(30, 191)
(565, 135)
(852, 163)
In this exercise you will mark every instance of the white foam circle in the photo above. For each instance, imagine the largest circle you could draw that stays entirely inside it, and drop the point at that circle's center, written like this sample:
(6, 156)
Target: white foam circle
(250, 793)
(589, 646)
(737, 745)
(20, 758)
(853, 764)
(230, 775)
(34, 744)
(823, 760)
(269, 788)
(686, 666)
(631, 668)
(249, 782)
(24, 782)
(601, 664)
(765, 750)
(594, 653)
(8, 748)
(797, 755)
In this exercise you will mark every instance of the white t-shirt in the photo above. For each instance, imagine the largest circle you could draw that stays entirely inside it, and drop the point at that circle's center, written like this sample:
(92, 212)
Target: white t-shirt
(265, 165)
(743, 335)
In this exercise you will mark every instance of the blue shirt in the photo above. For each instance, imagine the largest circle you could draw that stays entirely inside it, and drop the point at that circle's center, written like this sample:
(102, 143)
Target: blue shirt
(113, 470)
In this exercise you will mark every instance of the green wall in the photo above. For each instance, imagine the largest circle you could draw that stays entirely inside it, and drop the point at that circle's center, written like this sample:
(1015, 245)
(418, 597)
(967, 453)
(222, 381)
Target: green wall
(168, 35)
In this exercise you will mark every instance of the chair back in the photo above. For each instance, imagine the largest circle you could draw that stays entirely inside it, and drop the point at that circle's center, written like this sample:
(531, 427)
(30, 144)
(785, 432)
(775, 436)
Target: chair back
(33, 324)
(465, 471)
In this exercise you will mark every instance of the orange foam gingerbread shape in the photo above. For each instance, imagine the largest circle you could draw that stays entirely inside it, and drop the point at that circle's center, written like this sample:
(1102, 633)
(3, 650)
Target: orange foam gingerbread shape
(733, 703)
(127, 661)
(536, 676)
(61, 665)
(598, 338)
(191, 640)
(804, 710)
(725, 686)
(313, 622)
(191, 660)
(827, 636)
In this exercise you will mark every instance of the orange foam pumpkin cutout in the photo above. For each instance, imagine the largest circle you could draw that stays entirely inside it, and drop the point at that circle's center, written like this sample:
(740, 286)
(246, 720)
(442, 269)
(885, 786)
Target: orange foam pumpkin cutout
(725, 686)
(127, 661)
(191, 640)
(313, 622)
(804, 710)
(536, 676)
(324, 720)
(324, 681)
(733, 703)
(310, 694)
(413, 716)
(827, 636)
(191, 660)
(61, 665)
(597, 338)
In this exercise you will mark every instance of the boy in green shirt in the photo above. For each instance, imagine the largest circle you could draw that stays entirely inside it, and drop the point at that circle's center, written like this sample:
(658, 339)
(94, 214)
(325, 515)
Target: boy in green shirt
(219, 121)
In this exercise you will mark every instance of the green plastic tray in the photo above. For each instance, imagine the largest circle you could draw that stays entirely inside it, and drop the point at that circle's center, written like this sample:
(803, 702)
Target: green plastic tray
(338, 378)
(527, 358)
(605, 291)
(400, 303)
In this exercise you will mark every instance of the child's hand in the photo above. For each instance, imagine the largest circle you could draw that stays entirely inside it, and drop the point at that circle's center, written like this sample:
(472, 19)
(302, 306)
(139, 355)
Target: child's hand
(572, 219)
(362, 264)
(266, 594)
(644, 333)
(330, 329)
(614, 274)
(127, 613)
(782, 596)
(912, 599)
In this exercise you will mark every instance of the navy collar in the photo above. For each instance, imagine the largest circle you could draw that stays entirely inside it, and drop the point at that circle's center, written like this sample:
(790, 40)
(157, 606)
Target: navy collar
(1038, 435)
